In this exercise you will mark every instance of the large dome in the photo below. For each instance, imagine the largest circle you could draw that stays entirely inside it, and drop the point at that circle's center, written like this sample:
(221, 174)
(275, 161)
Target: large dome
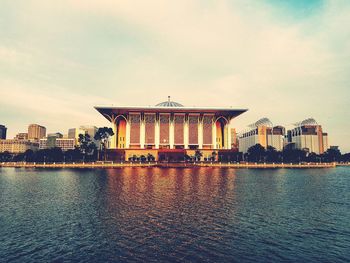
(169, 103)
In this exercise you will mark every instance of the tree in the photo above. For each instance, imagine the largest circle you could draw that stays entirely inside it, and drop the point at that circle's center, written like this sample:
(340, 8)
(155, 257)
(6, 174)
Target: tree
(294, 155)
(102, 135)
(143, 158)
(213, 156)
(5, 156)
(272, 155)
(29, 156)
(150, 157)
(74, 155)
(332, 155)
(345, 157)
(312, 157)
(86, 146)
(198, 155)
(256, 153)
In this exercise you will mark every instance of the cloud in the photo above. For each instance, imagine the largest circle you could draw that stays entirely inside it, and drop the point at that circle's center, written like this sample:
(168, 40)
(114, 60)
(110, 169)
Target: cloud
(216, 53)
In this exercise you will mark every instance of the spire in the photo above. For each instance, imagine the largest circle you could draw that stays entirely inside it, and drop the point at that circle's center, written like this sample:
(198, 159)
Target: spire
(168, 98)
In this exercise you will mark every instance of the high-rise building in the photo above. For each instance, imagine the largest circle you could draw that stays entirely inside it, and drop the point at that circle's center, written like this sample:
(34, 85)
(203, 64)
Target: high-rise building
(264, 133)
(308, 135)
(3, 130)
(36, 132)
(73, 133)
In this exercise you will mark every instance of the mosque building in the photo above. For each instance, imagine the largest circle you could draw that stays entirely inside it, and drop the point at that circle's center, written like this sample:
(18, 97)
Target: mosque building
(169, 130)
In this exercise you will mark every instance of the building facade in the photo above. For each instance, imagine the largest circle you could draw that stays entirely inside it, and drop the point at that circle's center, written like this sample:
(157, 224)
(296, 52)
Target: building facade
(169, 127)
(3, 131)
(56, 140)
(36, 132)
(308, 135)
(264, 133)
(17, 146)
(73, 133)
(21, 136)
(65, 144)
(234, 139)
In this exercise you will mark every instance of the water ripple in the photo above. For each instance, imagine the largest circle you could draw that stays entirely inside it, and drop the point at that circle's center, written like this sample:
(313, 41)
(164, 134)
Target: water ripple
(174, 215)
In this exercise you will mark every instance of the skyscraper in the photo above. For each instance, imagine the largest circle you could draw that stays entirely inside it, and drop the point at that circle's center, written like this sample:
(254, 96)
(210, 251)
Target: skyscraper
(74, 132)
(36, 132)
(3, 130)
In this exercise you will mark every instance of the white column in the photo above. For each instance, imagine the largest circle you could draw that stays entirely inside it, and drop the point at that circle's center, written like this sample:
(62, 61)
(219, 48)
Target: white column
(157, 133)
(186, 132)
(226, 129)
(200, 133)
(142, 132)
(171, 132)
(127, 139)
(214, 134)
(229, 139)
(114, 137)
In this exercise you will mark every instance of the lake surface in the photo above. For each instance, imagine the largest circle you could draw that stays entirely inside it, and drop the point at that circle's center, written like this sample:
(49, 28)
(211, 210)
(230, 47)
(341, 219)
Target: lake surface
(174, 215)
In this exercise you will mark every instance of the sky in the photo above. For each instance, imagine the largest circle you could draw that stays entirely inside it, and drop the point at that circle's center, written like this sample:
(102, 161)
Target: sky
(285, 60)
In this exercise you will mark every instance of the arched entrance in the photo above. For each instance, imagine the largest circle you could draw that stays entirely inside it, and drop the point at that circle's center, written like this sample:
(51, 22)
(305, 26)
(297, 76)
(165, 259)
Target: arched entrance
(121, 132)
(221, 134)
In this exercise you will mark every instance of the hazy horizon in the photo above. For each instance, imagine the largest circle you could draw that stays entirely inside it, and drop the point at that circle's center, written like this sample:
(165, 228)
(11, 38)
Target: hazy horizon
(287, 61)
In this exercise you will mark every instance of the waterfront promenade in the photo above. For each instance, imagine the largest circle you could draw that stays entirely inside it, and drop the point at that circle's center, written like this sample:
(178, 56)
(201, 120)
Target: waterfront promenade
(171, 165)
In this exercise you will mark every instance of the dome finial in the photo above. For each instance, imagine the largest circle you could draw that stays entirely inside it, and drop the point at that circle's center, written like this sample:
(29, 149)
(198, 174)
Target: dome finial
(169, 103)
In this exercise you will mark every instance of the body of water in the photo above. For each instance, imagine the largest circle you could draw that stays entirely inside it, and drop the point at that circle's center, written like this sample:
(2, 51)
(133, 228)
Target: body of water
(174, 215)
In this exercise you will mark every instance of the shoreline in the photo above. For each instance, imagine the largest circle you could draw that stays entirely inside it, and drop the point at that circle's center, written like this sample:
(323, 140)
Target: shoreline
(101, 165)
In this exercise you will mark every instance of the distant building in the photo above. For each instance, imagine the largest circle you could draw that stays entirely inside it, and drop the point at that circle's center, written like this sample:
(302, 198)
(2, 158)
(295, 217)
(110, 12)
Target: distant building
(56, 140)
(73, 133)
(51, 139)
(3, 130)
(43, 144)
(65, 144)
(36, 132)
(308, 135)
(264, 133)
(21, 136)
(234, 139)
(17, 146)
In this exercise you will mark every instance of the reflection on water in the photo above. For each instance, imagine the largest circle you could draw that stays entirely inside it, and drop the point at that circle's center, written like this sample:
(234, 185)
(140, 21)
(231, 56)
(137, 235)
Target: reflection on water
(174, 215)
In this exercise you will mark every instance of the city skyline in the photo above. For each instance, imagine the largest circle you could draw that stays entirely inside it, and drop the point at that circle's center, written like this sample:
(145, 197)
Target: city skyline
(287, 62)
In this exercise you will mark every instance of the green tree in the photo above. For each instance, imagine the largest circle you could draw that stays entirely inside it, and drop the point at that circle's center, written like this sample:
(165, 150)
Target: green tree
(256, 153)
(29, 156)
(5, 157)
(345, 157)
(213, 156)
(73, 155)
(272, 155)
(294, 155)
(102, 135)
(198, 155)
(332, 155)
(87, 147)
(150, 157)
